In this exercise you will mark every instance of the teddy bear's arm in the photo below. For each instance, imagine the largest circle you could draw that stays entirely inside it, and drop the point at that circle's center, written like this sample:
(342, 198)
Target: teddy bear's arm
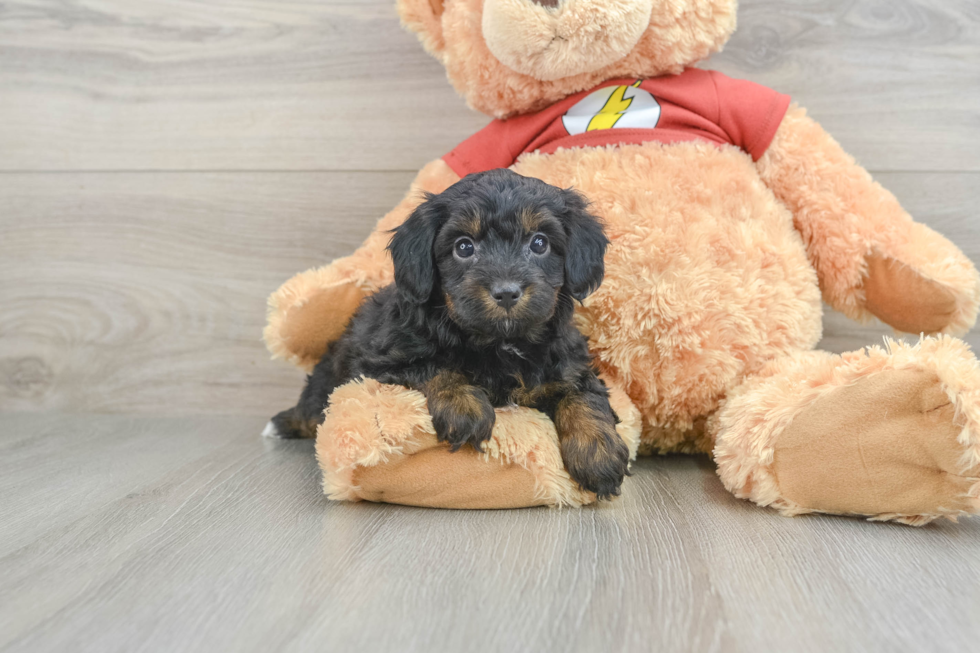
(312, 309)
(870, 256)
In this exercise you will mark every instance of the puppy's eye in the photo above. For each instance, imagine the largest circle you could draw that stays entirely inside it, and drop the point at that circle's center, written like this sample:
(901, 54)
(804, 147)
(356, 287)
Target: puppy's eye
(539, 243)
(463, 248)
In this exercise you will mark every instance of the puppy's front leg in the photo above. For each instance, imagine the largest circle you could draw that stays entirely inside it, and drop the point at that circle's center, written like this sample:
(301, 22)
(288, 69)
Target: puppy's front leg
(461, 413)
(594, 455)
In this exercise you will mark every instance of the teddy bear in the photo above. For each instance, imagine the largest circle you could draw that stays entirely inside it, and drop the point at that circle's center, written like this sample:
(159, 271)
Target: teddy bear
(731, 215)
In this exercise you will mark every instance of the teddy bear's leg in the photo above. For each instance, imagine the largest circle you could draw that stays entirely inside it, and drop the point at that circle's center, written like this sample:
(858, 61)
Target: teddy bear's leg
(871, 257)
(313, 308)
(888, 434)
(378, 443)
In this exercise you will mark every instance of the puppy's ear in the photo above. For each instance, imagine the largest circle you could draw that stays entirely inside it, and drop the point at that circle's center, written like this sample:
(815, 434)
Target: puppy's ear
(411, 250)
(586, 248)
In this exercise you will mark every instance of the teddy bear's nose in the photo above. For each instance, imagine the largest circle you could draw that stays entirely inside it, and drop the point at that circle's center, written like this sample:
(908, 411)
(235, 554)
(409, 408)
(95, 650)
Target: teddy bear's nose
(553, 39)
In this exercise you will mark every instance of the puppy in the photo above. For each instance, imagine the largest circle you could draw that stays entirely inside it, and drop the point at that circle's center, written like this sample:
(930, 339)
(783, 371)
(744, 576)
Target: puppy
(480, 315)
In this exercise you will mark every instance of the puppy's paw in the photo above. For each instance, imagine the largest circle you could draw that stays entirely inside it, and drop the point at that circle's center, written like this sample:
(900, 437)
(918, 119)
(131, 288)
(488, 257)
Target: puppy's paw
(466, 419)
(597, 459)
(271, 431)
(288, 425)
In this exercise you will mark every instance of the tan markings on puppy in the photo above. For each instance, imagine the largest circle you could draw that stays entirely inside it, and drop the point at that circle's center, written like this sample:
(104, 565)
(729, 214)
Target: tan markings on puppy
(444, 384)
(493, 310)
(302, 428)
(451, 391)
(530, 221)
(522, 309)
(460, 412)
(463, 402)
(518, 311)
(575, 418)
(535, 396)
(594, 454)
(472, 226)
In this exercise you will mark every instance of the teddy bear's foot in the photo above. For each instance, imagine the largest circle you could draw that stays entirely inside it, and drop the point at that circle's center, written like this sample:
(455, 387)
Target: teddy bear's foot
(377, 443)
(891, 435)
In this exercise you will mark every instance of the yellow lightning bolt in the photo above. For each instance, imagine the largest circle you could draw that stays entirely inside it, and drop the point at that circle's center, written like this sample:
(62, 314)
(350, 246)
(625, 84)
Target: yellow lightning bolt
(613, 110)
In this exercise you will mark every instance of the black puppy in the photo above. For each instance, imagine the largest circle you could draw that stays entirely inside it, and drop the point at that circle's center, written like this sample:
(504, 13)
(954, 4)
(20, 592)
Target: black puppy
(480, 315)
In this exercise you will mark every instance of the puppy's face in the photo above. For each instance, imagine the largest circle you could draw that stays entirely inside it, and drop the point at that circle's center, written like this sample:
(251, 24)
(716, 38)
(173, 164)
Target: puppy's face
(499, 249)
(502, 265)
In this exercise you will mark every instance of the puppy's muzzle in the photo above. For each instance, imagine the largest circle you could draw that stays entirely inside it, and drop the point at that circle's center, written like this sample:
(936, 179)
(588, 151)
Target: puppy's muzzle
(506, 294)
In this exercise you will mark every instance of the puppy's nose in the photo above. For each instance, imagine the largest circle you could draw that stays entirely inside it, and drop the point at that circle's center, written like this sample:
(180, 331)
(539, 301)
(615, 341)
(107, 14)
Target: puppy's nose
(506, 294)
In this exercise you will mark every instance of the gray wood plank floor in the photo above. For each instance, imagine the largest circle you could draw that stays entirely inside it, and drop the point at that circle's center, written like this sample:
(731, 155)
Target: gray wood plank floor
(165, 165)
(191, 534)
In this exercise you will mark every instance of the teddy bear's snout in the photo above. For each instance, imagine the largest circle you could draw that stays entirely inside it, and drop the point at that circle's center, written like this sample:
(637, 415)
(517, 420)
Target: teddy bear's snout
(552, 39)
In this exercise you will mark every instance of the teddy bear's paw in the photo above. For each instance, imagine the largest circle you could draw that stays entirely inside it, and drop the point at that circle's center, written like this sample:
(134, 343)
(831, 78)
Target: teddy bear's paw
(894, 444)
(308, 313)
(899, 294)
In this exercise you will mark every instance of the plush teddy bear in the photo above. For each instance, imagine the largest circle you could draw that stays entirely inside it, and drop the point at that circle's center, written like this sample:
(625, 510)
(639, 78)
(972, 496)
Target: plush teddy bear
(730, 213)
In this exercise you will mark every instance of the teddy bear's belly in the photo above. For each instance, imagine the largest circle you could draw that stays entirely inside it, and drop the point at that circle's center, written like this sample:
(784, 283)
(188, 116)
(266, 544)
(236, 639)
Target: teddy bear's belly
(706, 278)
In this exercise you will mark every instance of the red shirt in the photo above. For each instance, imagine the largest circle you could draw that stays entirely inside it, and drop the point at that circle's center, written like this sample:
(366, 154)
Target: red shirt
(697, 105)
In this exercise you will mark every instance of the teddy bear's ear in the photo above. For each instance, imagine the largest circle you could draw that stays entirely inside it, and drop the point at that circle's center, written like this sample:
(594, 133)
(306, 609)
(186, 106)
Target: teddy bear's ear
(424, 17)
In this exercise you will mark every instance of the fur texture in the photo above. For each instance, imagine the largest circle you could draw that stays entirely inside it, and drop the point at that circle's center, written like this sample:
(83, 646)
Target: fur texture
(371, 425)
(678, 34)
(480, 316)
(575, 37)
(707, 279)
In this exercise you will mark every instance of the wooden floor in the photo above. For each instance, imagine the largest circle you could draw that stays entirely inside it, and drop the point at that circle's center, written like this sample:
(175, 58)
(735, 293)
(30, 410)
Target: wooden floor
(165, 165)
(130, 534)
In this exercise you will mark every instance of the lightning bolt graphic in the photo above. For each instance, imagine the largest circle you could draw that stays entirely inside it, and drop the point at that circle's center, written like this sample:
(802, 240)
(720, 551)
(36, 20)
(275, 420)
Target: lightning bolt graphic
(613, 110)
